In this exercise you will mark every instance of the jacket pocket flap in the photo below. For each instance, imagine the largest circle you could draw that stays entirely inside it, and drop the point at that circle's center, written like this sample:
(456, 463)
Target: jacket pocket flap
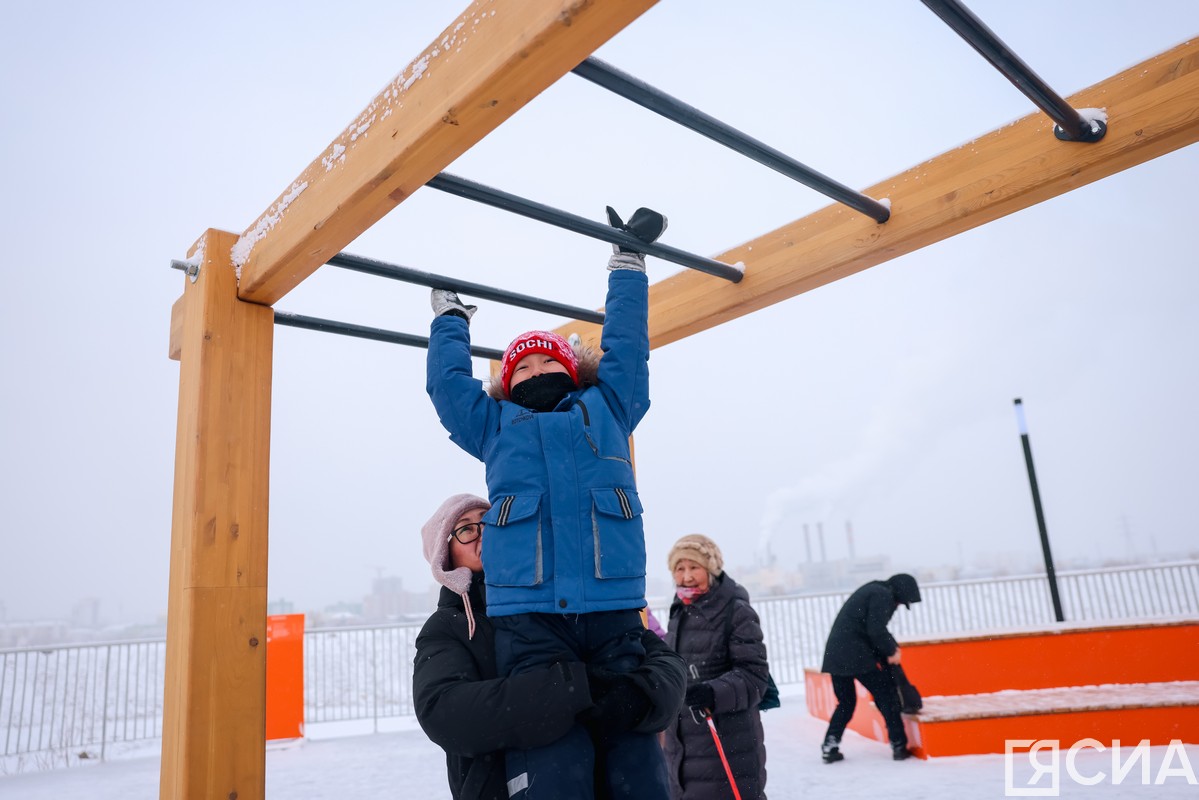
(617, 502)
(512, 508)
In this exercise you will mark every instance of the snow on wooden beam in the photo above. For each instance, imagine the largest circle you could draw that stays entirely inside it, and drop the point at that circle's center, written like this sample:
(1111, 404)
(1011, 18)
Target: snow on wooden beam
(496, 57)
(1152, 109)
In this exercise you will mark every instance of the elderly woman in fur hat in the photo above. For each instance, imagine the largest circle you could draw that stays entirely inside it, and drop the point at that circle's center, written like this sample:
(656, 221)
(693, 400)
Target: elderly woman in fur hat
(474, 714)
(717, 632)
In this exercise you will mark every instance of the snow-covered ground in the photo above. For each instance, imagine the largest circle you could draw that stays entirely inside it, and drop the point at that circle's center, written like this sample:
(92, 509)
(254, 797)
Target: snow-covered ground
(402, 763)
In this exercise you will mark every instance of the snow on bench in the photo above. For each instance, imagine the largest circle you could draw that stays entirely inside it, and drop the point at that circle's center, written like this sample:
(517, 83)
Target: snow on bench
(1065, 700)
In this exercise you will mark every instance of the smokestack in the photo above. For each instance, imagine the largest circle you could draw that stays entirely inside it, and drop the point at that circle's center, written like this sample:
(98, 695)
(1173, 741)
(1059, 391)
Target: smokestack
(807, 542)
(820, 537)
(849, 537)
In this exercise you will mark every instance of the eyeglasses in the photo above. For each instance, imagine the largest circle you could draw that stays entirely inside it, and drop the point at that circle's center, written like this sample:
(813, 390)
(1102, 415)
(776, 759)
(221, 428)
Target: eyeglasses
(468, 533)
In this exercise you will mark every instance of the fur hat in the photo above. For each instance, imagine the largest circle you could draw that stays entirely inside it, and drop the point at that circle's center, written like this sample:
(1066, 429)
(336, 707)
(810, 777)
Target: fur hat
(545, 342)
(700, 549)
(436, 535)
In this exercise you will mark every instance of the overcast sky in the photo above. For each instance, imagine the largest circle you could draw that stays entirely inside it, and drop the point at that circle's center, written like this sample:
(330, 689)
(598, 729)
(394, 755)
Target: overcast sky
(884, 399)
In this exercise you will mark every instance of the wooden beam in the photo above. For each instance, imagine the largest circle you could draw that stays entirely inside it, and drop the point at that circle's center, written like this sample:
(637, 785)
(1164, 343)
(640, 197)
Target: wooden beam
(496, 57)
(214, 723)
(1152, 108)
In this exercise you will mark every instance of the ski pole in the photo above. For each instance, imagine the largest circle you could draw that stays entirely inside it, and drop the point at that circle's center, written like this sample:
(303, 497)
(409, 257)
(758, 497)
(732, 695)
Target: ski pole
(720, 750)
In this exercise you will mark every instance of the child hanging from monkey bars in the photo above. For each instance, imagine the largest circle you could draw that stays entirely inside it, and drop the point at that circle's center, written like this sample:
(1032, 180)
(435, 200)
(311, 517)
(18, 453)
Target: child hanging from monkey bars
(564, 550)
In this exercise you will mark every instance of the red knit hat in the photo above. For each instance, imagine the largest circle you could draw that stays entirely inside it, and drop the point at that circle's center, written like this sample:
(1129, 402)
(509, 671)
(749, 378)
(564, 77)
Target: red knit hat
(545, 342)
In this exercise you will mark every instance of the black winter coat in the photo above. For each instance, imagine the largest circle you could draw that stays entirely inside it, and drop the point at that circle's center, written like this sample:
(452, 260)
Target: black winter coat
(475, 715)
(859, 639)
(732, 660)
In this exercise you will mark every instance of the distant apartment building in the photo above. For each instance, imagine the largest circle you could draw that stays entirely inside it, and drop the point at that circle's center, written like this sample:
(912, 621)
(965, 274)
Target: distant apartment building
(388, 601)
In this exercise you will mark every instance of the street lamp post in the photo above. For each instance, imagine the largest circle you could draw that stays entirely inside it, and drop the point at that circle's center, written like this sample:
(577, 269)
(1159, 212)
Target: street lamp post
(1022, 424)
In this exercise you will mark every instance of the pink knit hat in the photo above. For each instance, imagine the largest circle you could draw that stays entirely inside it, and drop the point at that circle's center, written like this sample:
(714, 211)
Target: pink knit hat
(436, 535)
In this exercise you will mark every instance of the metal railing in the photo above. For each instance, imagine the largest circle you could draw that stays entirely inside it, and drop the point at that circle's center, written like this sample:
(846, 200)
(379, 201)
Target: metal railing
(359, 673)
(796, 627)
(60, 704)
(73, 702)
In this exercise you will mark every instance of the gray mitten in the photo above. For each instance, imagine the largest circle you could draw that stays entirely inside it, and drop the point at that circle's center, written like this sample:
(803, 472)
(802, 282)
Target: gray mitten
(446, 302)
(646, 225)
(623, 260)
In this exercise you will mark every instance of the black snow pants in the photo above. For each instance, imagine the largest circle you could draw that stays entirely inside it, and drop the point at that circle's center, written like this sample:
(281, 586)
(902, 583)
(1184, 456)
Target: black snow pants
(886, 698)
(633, 762)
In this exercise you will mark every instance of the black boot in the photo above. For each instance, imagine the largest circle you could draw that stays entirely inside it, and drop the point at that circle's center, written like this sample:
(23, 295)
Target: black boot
(830, 751)
(899, 752)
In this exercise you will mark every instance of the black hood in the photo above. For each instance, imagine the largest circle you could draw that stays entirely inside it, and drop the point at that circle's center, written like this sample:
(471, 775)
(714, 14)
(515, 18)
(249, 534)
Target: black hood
(905, 589)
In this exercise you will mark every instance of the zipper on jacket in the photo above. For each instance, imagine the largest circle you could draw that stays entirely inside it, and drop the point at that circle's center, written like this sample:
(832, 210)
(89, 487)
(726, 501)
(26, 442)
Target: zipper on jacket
(587, 436)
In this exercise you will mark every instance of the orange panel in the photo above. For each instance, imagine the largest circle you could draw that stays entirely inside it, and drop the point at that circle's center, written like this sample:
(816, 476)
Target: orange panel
(979, 736)
(818, 694)
(1036, 660)
(1129, 725)
(285, 676)
(1047, 659)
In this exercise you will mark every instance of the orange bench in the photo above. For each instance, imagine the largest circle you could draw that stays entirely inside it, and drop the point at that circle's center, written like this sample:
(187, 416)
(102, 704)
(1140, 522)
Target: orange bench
(1069, 654)
(1129, 681)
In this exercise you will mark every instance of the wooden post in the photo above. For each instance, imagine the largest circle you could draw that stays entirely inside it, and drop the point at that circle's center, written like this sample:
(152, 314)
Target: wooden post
(214, 718)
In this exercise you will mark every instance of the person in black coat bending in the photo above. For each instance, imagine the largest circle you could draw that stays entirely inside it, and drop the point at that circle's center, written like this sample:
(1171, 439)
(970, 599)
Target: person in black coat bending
(858, 649)
(472, 713)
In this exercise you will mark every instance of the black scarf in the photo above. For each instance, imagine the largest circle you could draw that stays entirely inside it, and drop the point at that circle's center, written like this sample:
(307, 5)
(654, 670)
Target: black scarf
(542, 392)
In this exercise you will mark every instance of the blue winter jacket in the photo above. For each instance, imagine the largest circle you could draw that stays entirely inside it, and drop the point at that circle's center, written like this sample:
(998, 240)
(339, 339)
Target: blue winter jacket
(564, 531)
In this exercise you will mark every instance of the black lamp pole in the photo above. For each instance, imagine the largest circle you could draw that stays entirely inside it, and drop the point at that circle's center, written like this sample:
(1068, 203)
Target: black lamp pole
(1036, 503)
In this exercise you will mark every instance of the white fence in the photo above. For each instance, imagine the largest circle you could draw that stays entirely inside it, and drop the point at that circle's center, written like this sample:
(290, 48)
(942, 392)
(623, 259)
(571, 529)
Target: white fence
(361, 673)
(60, 704)
(796, 627)
(63, 704)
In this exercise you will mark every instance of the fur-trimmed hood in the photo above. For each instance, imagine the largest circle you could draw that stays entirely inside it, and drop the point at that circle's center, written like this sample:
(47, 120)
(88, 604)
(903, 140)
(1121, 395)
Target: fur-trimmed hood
(589, 358)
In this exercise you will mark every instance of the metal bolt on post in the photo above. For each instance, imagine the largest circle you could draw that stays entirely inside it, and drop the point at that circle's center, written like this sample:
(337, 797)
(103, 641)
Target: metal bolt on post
(189, 268)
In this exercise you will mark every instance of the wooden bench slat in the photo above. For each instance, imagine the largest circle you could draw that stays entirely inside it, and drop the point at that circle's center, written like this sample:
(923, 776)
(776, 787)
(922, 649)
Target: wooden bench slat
(1065, 700)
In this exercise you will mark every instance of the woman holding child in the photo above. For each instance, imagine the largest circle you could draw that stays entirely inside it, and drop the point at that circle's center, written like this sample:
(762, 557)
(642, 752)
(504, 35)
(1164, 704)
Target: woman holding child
(474, 713)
